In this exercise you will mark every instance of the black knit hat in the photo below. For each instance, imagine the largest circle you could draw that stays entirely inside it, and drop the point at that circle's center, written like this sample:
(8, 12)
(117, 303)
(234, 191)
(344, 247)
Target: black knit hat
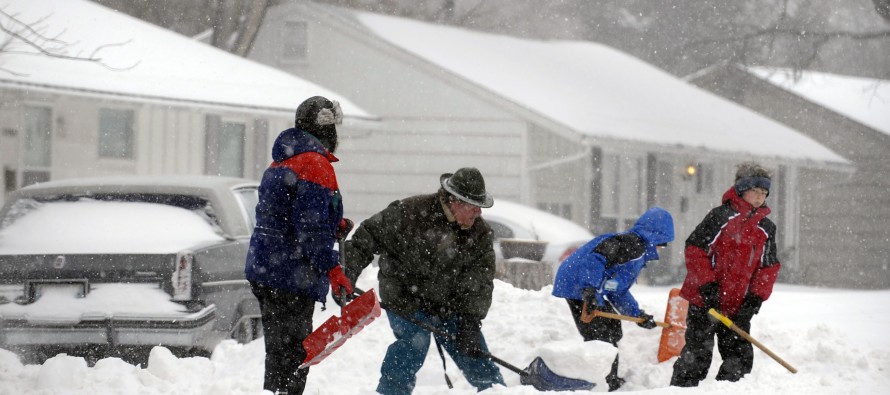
(467, 185)
(318, 117)
(751, 175)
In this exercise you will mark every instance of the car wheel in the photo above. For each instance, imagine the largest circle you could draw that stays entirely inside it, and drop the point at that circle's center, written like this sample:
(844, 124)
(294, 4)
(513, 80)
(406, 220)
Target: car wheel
(248, 328)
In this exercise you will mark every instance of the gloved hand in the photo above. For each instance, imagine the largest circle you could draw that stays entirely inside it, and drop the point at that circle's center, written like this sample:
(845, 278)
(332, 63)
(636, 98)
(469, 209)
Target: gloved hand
(710, 294)
(340, 285)
(344, 228)
(750, 306)
(588, 296)
(649, 322)
(469, 335)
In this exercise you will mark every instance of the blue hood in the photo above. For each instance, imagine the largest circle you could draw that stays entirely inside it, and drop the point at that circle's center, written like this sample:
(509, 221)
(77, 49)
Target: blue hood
(655, 226)
(293, 142)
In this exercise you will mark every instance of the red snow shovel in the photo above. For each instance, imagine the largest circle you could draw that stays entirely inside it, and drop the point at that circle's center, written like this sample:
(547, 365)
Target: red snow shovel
(673, 338)
(328, 337)
(354, 316)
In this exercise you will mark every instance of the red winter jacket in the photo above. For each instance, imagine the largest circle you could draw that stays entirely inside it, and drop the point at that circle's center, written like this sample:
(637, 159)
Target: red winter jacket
(735, 245)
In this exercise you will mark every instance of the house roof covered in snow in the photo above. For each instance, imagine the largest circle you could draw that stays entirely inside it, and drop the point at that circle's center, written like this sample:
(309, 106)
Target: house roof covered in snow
(598, 91)
(140, 61)
(864, 100)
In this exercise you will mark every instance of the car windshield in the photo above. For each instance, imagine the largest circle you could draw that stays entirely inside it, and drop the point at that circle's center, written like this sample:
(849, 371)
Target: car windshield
(106, 225)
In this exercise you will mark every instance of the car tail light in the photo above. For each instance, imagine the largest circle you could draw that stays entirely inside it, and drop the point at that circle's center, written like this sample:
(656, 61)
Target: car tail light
(182, 276)
(568, 252)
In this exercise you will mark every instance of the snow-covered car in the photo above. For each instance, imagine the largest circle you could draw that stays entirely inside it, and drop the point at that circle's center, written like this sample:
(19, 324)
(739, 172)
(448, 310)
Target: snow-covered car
(516, 223)
(113, 266)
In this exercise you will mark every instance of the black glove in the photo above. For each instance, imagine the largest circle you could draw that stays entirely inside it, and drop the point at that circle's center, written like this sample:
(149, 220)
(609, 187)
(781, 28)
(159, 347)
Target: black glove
(344, 228)
(588, 296)
(750, 306)
(710, 294)
(649, 322)
(469, 336)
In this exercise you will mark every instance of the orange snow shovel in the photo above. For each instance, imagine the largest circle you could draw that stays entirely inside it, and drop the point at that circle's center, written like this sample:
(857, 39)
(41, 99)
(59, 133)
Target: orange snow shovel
(673, 333)
(729, 324)
(673, 338)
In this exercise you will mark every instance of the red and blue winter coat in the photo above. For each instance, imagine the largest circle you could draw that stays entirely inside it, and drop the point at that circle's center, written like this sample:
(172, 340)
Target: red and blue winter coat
(297, 216)
(611, 263)
(734, 246)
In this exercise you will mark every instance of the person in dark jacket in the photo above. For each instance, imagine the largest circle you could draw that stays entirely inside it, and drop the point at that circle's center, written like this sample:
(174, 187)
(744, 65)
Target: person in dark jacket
(599, 275)
(731, 266)
(291, 260)
(437, 266)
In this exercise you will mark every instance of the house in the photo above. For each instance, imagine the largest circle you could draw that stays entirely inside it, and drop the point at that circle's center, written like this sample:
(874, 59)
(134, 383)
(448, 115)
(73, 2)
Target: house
(576, 128)
(844, 220)
(153, 102)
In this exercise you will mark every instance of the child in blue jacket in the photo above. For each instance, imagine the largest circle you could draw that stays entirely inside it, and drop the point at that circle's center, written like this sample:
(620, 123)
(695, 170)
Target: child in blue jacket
(598, 276)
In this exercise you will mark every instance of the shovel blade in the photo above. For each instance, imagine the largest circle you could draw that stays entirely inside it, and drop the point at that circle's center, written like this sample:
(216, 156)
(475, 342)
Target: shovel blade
(538, 375)
(673, 338)
(328, 337)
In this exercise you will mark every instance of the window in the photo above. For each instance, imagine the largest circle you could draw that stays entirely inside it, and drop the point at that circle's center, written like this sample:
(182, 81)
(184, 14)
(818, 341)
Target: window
(704, 179)
(115, 134)
(37, 149)
(500, 230)
(231, 149)
(623, 193)
(38, 136)
(248, 197)
(295, 41)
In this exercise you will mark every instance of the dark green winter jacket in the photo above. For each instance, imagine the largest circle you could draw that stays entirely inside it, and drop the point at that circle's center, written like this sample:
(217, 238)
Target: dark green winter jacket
(426, 262)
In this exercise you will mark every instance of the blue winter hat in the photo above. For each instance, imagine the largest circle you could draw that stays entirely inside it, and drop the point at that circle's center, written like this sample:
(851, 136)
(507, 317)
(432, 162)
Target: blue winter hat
(745, 183)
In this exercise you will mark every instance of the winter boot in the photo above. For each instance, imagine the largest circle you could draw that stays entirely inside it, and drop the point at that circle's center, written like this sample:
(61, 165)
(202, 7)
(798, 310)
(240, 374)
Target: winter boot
(612, 379)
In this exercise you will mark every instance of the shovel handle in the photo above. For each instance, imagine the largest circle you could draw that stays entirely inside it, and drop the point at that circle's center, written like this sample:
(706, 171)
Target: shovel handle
(726, 321)
(586, 318)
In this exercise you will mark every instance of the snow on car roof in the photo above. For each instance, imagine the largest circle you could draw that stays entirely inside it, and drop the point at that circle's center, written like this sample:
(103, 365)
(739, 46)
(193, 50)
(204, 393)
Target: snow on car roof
(152, 181)
(547, 226)
(104, 227)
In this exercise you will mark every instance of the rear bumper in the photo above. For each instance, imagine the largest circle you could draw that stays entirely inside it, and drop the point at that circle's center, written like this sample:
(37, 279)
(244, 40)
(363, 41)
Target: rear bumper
(182, 330)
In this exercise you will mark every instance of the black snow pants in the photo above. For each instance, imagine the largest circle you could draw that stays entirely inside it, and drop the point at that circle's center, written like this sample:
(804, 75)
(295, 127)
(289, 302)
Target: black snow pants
(287, 320)
(695, 359)
(601, 329)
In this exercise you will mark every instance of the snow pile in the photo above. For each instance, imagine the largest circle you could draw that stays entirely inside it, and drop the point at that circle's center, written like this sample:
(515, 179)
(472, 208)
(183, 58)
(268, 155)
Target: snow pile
(835, 338)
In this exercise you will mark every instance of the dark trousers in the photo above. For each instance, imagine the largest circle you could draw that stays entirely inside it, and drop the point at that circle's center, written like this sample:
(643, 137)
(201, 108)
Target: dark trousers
(602, 329)
(695, 359)
(287, 320)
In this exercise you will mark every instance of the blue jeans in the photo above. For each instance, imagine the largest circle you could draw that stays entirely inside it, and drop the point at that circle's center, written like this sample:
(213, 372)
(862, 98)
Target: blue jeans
(405, 356)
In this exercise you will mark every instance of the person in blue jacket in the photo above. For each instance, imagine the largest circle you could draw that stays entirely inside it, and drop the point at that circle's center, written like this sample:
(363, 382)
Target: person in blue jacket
(291, 259)
(598, 276)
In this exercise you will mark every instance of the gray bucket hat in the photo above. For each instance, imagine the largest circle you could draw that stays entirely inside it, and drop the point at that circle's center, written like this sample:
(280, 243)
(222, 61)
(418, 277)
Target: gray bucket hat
(467, 185)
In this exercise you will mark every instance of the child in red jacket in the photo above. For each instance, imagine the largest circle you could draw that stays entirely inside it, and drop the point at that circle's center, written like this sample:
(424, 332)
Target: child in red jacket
(731, 266)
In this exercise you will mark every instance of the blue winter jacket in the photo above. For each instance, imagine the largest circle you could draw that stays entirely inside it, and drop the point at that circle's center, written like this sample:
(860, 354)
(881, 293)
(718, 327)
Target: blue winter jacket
(588, 269)
(297, 216)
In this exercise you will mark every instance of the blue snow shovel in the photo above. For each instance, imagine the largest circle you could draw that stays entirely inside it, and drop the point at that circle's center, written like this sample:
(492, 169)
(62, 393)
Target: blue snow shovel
(537, 374)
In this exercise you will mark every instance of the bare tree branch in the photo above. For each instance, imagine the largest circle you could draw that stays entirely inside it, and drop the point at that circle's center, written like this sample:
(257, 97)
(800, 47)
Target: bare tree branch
(31, 36)
(811, 41)
(882, 7)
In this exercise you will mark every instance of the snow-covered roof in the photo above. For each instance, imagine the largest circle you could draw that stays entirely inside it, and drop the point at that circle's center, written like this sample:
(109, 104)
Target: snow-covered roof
(864, 100)
(155, 63)
(597, 90)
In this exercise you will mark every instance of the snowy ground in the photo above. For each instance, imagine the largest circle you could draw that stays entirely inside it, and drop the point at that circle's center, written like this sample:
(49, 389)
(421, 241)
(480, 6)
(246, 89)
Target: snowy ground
(835, 338)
